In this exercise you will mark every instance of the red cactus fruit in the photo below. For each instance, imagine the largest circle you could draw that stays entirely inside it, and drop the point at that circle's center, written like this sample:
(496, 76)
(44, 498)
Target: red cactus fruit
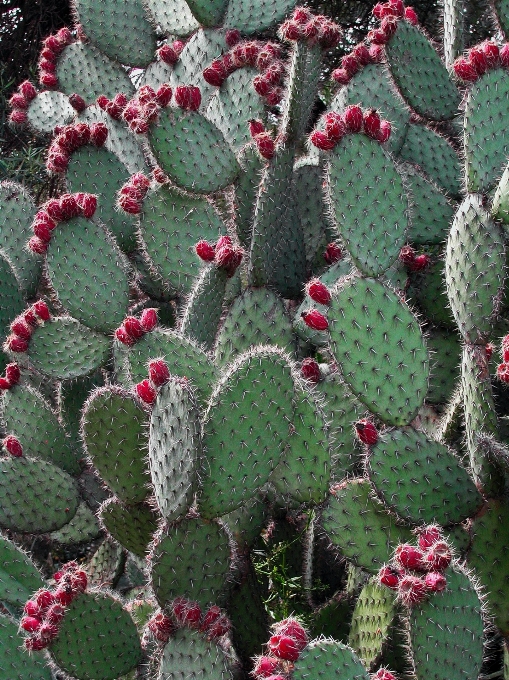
(58, 160)
(18, 101)
(31, 624)
(266, 666)
(148, 319)
(12, 445)
(31, 608)
(292, 628)
(361, 53)
(384, 132)
(205, 251)
(478, 60)
(275, 96)
(315, 320)
(490, 348)
(164, 94)
(87, 204)
(221, 626)
(4, 384)
(407, 255)
(28, 90)
(33, 644)
(188, 97)
(334, 126)
(42, 310)
(256, 127)
(55, 613)
(161, 626)
(42, 231)
(376, 52)
(48, 79)
(389, 577)
(146, 392)
(20, 328)
(48, 632)
(503, 372)
(284, 647)
(435, 582)
(79, 581)
(504, 55)
(64, 595)
(389, 26)
(265, 144)
(168, 54)
(341, 76)
(372, 123)
(14, 342)
(353, 118)
(350, 64)
(429, 535)
(333, 253)
(158, 372)
(412, 590)
(133, 327)
(318, 292)
(18, 117)
(410, 557)
(77, 102)
(98, 134)
(232, 37)
(366, 432)
(420, 263)
(261, 85)
(465, 70)
(438, 557)
(383, 674)
(186, 612)
(322, 140)
(411, 16)
(211, 616)
(44, 598)
(216, 73)
(123, 336)
(12, 374)
(310, 370)
(69, 206)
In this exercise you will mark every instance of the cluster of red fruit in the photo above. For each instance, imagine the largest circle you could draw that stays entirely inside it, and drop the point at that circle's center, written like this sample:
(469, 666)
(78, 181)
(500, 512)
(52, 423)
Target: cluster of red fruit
(503, 368)
(315, 29)
(131, 195)
(170, 53)
(184, 613)
(21, 331)
(265, 142)
(480, 59)
(13, 446)
(352, 121)
(263, 56)
(284, 647)
(389, 14)
(222, 253)
(57, 210)
(413, 262)
(52, 48)
(45, 611)
(70, 138)
(158, 375)
(20, 101)
(11, 377)
(418, 570)
(355, 60)
(318, 292)
(133, 329)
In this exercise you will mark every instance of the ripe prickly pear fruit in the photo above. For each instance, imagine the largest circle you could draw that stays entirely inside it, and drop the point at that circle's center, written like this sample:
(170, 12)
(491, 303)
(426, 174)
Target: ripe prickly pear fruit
(412, 590)
(366, 432)
(318, 292)
(146, 392)
(315, 320)
(310, 370)
(353, 118)
(284, 647)
(148, 319)
(429, 535)
(410, 557)
(435, 581)
(266, 666)
(389, 577)
(12, 445)
(158, 372)
(438, 557)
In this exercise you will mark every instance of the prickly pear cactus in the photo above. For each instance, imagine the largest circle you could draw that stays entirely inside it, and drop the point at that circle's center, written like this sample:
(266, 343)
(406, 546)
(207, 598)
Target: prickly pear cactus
(247, 364)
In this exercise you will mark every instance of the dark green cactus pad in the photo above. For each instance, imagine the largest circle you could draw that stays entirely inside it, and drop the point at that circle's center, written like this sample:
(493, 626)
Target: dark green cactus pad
(500, 206)
(433, 155)
(11, 297)
(17, 211)
(19, 577)
(370, 88)
(374, 613)
(447, 631)
(189, 654)
(431, 212)
(35, 496)
(71, 397)
(100, 172)
(202, 314)
(427, 289)
(246, 190)
(371, 331)
(373, 239)
(84, 69)
(329, 660)
(488, 556)
(171, 223)
(108, 27)
(302, 84)
(254, 18)
(132, 526)
(246, 522)
(333, 618)
(174, 18)
(445, 352)
(474, 270)
(502, 13)
(190, 559)
(184, 358)
(304, 470)
(94, 290)
(114, 431)
(15, 663)
(150, 284)
(192, 151)
(257, 317)
(86, 350)
(49, 109)
(208, 12)
(411, 58)
(28, 416)
(82, 527)
(458, 536)
(234, 105)
(174, 449)
(241, 453)
(359, 526)
(485, 127)
(92, 617)
(420, 479)
(106, 564)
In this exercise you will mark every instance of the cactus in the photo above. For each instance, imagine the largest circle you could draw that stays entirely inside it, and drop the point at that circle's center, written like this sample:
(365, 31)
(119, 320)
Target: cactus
(235, 321)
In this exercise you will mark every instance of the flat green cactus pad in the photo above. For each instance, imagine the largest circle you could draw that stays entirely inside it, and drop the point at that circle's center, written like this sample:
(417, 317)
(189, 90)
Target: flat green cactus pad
(445, 352)
(373, 239)
(246, 190)
(15, 663)
(171, 224)
(444, 643)
(87, 649)
(474, 269)
(114, 431)
(500, 206)
(174, 449)
(190, 559)
(35, 496)
(11, 298)
(329, 660)
(49, 109)
(421, 479)
(202, 314)
(86, 350)
(131, 525)
(241, 453)
(485, 127)
(173, 16)
(192, 151)
(19, 577)
(359, 526)
(82, 527)
(371, 330)
(411, 58)
(189, 654)
(108, 27)
(250, 18)
(208, 12)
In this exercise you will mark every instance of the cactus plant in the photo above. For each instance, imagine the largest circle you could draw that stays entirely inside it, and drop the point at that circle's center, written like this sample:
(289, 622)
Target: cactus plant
(236, 322)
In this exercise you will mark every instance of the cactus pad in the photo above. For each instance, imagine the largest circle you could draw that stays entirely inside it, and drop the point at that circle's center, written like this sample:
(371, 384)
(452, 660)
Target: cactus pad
(15, 663)
(190, 654)
(131, 525)
(49, 109)
(329, 660)
(254, 18)
(19, 577)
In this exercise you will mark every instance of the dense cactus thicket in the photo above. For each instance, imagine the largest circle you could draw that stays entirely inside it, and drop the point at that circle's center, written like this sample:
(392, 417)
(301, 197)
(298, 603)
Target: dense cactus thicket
(238, 328)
